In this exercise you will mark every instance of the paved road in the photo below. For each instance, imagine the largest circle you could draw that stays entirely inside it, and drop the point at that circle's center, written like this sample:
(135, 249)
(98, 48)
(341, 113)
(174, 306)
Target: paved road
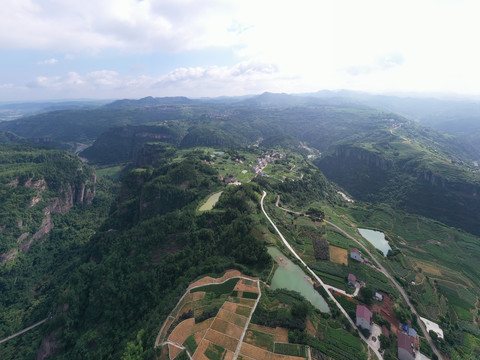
(180, 346)
(316, 277)
(23, 331)
(399, 288)
(240, 341)
(386, 273)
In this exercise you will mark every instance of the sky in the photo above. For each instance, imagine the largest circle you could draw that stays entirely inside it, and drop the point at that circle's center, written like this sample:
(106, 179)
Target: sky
(109, 49)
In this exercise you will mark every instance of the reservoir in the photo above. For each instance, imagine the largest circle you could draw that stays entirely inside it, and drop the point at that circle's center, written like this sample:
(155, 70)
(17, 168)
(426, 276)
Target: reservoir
(291, 277)
(211, 201)
(377, 239)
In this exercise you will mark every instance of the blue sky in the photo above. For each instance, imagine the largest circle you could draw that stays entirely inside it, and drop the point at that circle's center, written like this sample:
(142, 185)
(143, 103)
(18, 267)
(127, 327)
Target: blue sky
(52, 49)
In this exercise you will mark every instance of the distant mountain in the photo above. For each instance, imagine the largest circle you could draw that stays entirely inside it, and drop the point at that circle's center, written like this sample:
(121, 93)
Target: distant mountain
(456, 116)
(119, 144)
(11, 111)
(149, 102)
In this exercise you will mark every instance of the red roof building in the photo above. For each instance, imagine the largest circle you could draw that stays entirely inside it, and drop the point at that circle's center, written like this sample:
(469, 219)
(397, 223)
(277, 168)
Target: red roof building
(364, 317)
(352, 279)
(406, 347)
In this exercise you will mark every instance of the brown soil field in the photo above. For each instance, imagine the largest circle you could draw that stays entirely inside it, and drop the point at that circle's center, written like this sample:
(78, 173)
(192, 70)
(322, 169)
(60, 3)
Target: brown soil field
(227, 328)
(254, 352)
(203, 325)
(229, 306)
(232, 318)
(229, 355)
(261, 328)
(429, 269)
(281, 335)
(238, 309)
(310, 328)
(203, 281)
(182, 331)
(385, 308)
(199, 353)
(246, 302)
(337, 294)
(173, 351)
(198, 295)
(338, 255)
(218, 338)
(246, 285)
(198, 336)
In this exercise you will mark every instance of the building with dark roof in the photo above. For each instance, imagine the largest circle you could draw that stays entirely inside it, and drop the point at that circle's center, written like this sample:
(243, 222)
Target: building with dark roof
(406, 347)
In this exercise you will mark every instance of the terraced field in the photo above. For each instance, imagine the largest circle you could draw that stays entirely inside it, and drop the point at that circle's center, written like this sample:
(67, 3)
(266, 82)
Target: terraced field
(227, 333)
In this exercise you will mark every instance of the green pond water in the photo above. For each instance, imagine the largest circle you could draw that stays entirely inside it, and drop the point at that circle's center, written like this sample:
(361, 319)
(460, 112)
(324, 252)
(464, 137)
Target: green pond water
(377, 239)
(211, 201)
(290, 276)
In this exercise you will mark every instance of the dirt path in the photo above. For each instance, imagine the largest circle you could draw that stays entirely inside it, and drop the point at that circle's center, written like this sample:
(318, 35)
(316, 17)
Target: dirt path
(316, 277)
(23, 331)
(386, 273)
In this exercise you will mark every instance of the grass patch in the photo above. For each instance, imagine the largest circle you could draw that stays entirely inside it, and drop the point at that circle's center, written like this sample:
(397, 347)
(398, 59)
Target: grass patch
(215, 352)
(243, 310)
(249, 295)
(290, 349)
(260, 339)
(191, 344)
(218, 289)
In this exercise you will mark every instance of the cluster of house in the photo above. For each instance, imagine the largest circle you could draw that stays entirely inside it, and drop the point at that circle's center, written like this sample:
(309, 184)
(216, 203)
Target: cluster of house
(230, 180)
(407, 342)
(407, 338)
(267, 159)
(208, 162)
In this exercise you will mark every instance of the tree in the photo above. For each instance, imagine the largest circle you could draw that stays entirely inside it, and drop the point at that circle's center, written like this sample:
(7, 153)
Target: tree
(366, 295)
(134, 350)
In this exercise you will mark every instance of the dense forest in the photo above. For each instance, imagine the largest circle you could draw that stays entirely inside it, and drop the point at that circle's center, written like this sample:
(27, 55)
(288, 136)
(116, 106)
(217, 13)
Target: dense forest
(103, 248)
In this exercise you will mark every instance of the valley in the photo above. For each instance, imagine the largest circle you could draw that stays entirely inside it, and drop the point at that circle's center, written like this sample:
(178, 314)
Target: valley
(153, 247)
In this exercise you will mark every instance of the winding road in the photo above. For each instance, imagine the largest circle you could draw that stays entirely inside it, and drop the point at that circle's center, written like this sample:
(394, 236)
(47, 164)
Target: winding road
(384, 271)
(316, 277)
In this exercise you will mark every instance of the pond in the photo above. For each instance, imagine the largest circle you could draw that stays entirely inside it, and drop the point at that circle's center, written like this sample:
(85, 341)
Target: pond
(211, 201)
(290, 276)
(377, 239)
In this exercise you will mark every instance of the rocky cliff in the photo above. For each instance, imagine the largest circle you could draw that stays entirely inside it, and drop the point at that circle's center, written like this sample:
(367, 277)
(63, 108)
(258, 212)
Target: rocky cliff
(415, 184)
(63, 199)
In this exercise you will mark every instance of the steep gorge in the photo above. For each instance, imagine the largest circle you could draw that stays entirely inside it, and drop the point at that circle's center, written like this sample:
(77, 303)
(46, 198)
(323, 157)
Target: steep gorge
(413, 185)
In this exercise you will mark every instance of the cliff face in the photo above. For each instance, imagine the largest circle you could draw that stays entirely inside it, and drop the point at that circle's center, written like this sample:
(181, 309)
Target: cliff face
(67, 196)
(71, 194)
(410, 183)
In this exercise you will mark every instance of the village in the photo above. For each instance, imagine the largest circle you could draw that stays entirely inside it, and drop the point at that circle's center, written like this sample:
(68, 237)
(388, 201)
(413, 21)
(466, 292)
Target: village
(378, 320)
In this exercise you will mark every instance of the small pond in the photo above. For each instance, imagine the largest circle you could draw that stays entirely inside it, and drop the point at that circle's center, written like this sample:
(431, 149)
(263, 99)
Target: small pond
(377, 239)
(211, 201)
(290, 276)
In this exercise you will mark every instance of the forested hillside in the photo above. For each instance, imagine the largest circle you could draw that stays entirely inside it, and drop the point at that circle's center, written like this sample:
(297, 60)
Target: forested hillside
(108, 251)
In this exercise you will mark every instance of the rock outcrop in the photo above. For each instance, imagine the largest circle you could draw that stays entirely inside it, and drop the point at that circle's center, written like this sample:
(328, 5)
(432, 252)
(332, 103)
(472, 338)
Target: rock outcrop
(68, 195)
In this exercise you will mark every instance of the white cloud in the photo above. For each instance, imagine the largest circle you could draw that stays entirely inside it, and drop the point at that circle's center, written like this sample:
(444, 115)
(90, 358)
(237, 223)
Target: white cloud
(371, 45)
(91, 25)
(51, 61)
(242, 78)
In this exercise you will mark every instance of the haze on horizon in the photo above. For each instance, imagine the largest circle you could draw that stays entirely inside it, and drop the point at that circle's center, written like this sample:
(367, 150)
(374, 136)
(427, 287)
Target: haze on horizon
(52, 49)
